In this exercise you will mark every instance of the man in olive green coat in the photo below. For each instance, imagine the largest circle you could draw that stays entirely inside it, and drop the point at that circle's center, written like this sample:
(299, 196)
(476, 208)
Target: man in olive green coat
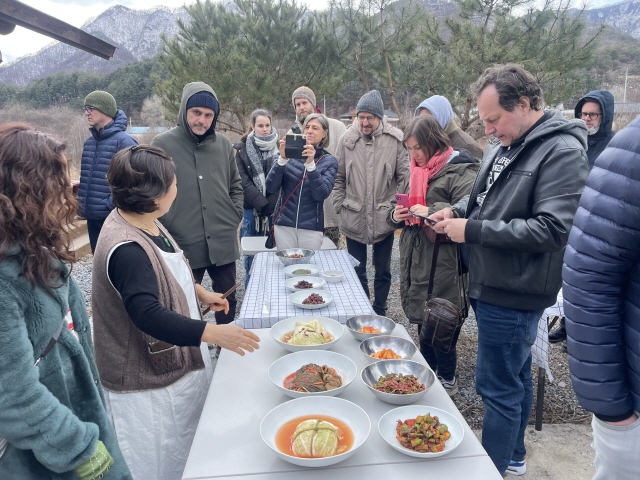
(205, 215)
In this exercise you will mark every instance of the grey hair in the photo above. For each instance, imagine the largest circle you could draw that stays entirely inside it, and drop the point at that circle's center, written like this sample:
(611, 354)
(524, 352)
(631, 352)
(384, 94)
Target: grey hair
(324, 122)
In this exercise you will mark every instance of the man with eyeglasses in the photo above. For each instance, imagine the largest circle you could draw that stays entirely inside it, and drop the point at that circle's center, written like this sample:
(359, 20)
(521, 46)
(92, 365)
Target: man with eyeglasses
(372, 166)
(596, 109)
(108, 127)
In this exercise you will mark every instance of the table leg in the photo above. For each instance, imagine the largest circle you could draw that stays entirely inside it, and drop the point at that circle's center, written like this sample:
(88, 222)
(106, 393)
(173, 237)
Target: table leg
(540, 398)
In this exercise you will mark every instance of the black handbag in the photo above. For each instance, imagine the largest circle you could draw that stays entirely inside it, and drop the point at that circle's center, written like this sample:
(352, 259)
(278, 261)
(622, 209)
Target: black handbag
(442, 319)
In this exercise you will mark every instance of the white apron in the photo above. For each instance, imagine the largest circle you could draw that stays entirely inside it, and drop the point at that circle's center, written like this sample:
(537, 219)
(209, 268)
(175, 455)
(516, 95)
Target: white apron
(155, 428)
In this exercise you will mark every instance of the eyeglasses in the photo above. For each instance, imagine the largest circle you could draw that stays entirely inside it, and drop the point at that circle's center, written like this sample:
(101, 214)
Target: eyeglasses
(591, 115)
(87, 108)
(368, 118)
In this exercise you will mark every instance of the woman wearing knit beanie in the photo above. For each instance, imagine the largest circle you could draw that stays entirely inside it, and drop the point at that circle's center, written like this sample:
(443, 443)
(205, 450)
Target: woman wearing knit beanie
(256, 153)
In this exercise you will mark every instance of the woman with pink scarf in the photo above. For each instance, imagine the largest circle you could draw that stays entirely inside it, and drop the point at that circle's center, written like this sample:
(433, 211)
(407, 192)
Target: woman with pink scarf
(440, 176)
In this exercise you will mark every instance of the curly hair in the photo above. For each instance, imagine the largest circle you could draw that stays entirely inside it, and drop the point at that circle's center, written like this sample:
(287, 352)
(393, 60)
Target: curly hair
(512, 82)
(36, 203)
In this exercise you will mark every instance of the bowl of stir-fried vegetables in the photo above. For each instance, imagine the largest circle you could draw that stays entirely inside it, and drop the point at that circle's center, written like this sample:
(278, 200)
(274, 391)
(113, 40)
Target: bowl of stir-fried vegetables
(399, 382)
(421, 431)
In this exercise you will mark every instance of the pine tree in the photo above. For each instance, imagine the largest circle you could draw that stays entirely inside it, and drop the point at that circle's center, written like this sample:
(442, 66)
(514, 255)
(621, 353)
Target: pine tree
(549, 40)
(254, 54)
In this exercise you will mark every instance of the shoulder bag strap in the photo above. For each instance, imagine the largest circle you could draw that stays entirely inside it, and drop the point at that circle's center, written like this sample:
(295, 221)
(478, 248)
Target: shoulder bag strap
(434, 261)
(292, 192)
(50, 345)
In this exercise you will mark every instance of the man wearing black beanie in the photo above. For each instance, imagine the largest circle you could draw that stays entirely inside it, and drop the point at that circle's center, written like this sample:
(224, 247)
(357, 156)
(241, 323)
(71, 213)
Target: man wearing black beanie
(205, 215)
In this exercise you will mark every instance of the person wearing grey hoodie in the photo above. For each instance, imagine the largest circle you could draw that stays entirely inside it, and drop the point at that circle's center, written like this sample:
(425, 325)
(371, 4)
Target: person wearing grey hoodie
(207, 211)
(440, 108)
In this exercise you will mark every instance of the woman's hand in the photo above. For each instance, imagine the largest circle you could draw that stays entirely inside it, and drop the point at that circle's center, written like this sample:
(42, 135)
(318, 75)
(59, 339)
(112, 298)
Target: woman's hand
(212, 299)
(420, 210)
(231, 337)
(281, 145)
(309, 152)
(401, 213)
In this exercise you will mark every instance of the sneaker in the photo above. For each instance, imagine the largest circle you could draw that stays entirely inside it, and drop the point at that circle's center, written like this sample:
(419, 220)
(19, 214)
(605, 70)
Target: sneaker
(517, 468)
(450, 386)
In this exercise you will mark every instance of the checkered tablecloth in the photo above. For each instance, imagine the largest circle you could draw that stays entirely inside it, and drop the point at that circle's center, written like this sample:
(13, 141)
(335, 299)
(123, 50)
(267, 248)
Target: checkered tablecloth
(266, 300)
(540, 349)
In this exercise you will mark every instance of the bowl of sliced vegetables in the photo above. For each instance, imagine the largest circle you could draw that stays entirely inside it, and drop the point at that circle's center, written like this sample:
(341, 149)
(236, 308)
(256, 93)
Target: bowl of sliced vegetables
(399, 382)
(386, 347)
(363, 327)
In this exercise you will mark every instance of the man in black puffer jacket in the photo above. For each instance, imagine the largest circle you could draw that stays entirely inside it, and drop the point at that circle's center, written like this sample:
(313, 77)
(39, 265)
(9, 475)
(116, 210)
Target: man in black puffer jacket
(516, 224)
(601, 286)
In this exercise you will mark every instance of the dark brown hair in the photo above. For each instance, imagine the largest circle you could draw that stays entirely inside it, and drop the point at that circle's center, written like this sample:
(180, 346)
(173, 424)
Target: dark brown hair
(138, 176)
(260, 112)
(512, 82)
(36, 202)
(429, 135)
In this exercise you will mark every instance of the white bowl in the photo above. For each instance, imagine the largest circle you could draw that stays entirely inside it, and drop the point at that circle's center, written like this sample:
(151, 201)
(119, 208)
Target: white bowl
(290, 283)
(389, 421)
(298, 297)
(285, 366)
(288, 324)
(288, 271)
(350, 413)
(333, 276)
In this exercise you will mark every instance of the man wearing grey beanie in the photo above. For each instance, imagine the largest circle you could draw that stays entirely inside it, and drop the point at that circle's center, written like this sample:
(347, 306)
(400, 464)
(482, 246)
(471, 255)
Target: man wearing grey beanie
(372, 166)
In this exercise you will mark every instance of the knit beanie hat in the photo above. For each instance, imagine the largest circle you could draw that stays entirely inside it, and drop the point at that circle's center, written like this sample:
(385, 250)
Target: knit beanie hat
(440, 109)
(102, 101)
(371, 102)
(204, 100)
(303, 92)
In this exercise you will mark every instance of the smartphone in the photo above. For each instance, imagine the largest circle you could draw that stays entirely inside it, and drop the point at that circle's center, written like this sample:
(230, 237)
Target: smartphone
(403, 201)
(426, 219)
(294, 144)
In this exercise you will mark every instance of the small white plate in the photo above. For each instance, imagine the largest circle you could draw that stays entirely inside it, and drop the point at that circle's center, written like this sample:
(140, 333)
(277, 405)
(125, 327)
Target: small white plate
(290, 283)
(288, 271)
(389, 421)
(285, 366)
(298, 297)
(287, 325)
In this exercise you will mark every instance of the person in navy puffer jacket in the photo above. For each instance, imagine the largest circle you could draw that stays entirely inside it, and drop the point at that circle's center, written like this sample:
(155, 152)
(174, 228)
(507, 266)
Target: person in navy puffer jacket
(601, 286)
(108, 136)
(305, 183)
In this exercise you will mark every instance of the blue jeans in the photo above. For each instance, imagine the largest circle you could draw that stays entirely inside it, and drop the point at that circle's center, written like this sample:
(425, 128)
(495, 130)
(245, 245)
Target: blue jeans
(248, 229)
(503, 378)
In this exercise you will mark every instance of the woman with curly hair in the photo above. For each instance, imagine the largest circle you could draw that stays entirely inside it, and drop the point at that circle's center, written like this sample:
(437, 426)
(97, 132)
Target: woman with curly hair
(53, 422)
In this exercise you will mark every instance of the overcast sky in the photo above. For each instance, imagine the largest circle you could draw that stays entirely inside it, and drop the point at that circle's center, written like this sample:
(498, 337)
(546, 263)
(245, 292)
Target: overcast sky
(77, 12)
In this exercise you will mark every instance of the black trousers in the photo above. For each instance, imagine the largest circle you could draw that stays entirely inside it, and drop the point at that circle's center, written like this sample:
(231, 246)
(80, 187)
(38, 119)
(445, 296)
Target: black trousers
(381, 264)
(223, 277)
(93, 229)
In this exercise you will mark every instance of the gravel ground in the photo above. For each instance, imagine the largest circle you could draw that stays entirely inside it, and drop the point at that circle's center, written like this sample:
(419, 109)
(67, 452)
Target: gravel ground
(560, 403)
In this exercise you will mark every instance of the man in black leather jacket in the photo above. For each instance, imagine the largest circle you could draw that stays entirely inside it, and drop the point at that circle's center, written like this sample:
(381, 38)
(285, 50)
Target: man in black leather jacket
(515, 224)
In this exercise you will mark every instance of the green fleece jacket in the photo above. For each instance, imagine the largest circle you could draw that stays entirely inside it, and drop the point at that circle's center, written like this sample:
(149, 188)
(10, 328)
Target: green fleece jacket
(207, 211)
(51, 415)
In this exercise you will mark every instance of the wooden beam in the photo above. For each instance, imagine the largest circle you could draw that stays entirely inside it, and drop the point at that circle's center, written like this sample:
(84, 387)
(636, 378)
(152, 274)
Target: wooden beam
(12, 11)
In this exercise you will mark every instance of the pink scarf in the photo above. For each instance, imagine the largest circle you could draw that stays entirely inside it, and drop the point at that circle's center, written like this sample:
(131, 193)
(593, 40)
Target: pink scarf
(421, 176)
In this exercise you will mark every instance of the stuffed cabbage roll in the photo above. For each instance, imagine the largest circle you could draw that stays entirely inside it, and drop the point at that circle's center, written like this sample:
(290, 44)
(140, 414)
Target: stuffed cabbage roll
(315, 438)
(310, 333)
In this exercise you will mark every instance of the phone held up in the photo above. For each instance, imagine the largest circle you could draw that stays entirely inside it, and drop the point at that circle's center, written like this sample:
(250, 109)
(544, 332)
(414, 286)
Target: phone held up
(294, 144)
(403, 201)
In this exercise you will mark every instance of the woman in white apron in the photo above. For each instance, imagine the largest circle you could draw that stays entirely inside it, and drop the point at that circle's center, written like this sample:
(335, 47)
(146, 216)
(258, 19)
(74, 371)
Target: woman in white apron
(150, 337)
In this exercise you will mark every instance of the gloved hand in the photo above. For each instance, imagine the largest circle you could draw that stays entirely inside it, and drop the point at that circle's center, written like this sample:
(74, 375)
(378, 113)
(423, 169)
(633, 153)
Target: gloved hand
(97, 466)
(267, 210)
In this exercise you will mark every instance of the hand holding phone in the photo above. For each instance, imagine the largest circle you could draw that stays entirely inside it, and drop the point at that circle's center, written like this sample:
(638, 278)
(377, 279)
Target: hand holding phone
(402, 209)
(426, 219)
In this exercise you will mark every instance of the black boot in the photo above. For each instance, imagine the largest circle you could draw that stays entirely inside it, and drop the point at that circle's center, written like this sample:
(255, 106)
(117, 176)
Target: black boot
(559, 334)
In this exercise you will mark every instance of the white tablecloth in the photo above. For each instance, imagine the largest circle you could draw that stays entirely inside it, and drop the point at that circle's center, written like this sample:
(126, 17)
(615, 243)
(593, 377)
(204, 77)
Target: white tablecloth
(255, 245)
(266, 300)
(227, 444)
